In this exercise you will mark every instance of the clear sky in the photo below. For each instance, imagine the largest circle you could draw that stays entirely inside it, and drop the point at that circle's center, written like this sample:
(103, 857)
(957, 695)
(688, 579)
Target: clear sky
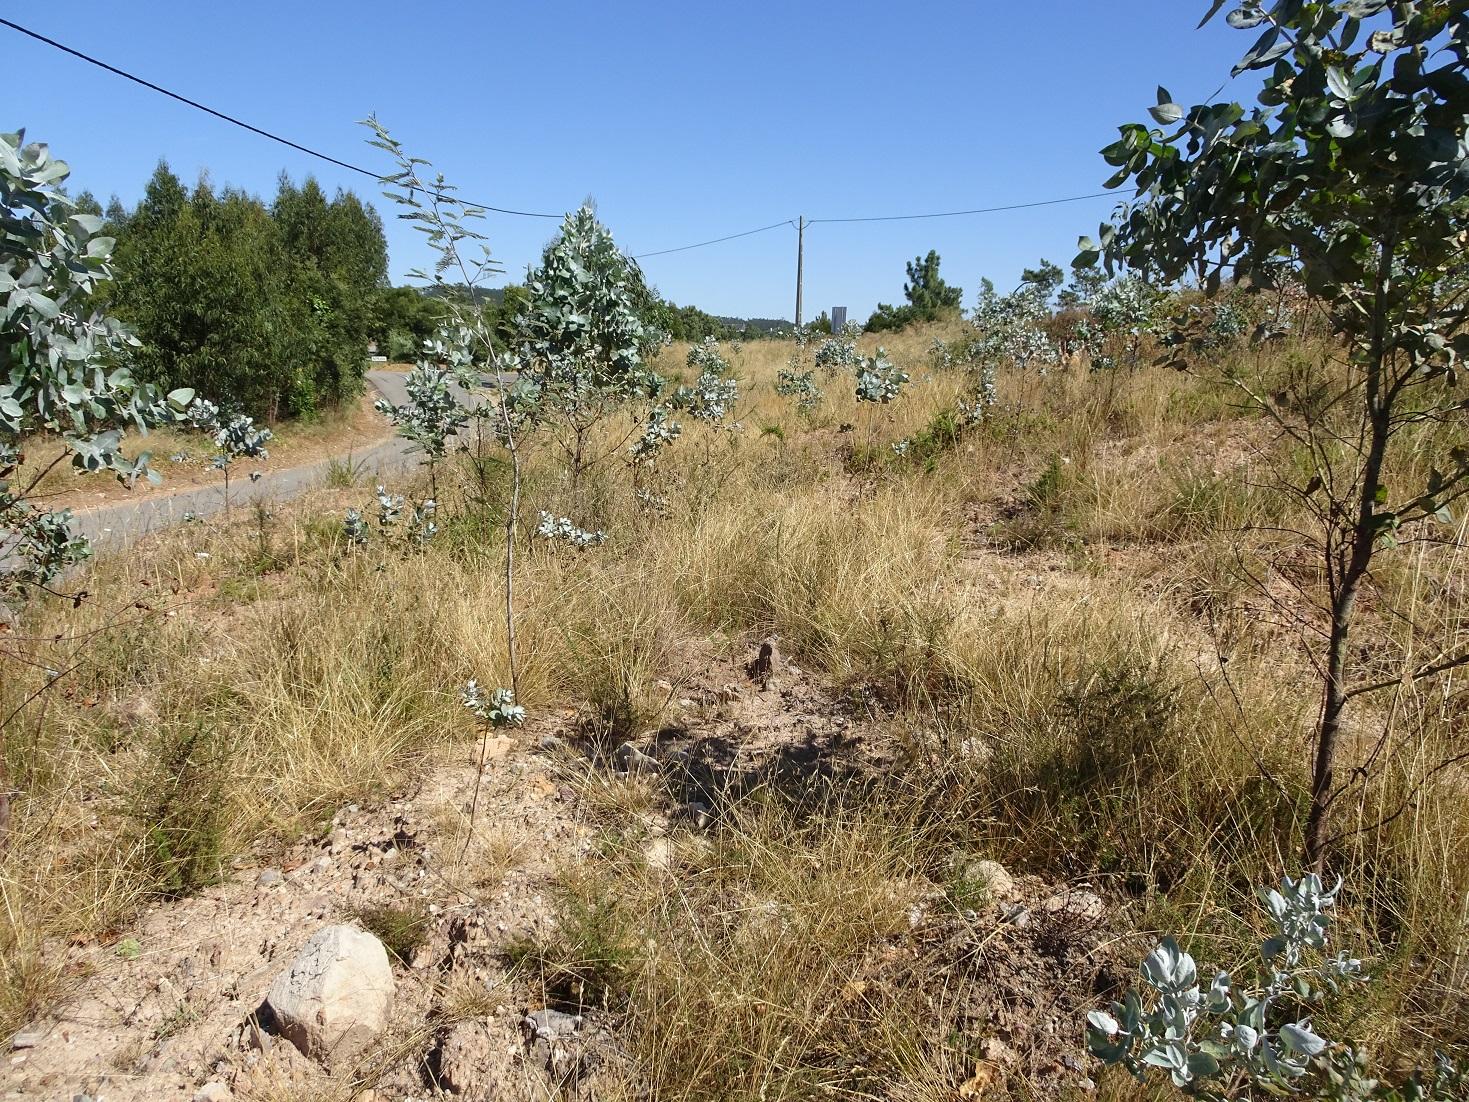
(684, 121)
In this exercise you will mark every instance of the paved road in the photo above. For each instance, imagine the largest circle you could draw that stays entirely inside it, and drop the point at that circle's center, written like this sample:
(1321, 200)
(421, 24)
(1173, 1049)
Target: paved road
(130, 520)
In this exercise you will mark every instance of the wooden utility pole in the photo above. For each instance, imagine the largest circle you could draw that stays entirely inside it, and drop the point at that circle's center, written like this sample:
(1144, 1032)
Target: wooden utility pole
(800, 263)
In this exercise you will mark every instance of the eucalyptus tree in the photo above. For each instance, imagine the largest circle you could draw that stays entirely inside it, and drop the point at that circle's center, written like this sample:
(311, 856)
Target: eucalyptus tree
(433, 414)
(1351, 174)
(580, 346)
(63, 364)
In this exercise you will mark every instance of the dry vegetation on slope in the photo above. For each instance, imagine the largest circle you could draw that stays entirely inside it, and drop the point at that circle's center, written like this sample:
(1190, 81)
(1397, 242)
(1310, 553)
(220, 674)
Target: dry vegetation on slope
(1067, 640)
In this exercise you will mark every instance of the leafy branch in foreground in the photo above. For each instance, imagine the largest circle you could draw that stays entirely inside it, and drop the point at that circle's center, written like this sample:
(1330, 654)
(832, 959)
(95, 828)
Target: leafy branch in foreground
(1253, 1033)
(63, 364)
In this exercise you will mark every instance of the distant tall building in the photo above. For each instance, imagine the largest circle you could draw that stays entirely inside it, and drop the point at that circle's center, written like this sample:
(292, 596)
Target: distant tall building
(838, 318)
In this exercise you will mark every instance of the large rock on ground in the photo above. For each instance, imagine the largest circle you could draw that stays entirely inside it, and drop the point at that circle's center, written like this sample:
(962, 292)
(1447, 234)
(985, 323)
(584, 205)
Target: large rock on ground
(335, 996)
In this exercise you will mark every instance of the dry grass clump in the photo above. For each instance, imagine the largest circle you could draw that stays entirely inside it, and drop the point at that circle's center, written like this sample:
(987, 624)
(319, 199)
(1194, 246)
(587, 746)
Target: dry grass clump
(734, 962)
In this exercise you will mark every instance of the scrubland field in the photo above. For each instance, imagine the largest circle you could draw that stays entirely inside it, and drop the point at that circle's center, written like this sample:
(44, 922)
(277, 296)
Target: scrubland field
(1059, 661)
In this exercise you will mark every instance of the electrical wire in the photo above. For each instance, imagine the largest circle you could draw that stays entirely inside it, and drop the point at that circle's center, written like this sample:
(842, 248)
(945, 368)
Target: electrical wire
(716, 241)
(977, 210)
(234, 121)
(535, 214)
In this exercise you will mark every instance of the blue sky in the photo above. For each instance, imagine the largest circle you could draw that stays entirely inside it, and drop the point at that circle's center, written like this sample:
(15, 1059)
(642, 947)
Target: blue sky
(684, 122)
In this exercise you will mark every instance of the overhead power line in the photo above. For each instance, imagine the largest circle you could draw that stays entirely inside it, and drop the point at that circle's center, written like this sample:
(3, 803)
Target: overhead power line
(310, 152)
(236, 122)
(717, 240)
(977, 210)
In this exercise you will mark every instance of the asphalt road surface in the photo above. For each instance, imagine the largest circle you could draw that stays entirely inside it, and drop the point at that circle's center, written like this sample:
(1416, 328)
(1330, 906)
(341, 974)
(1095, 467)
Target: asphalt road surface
(127, 521)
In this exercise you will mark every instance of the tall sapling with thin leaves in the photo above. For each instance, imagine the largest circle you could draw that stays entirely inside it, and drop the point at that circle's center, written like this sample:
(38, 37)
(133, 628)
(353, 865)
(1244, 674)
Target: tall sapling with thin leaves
(1351, 175)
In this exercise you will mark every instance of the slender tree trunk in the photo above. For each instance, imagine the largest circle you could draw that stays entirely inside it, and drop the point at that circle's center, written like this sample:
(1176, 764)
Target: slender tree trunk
(1361, 542)
(512, 522)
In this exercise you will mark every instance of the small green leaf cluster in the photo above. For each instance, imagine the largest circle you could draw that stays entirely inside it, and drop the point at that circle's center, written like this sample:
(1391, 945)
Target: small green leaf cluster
(706, 358)
(659, 431)
(1011, 329)
(800, 385)
(496, 710)
(838, 354)
(879, 379)
(433, 413)
(420, 526)
(709, 399)
(561, 530)
(236, 436)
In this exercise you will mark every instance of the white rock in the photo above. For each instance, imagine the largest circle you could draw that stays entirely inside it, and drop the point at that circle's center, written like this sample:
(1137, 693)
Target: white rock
(998, 884)
(213, 1092)
(659, 854)
(1077, 903)
(549, 1023)
(335, 996)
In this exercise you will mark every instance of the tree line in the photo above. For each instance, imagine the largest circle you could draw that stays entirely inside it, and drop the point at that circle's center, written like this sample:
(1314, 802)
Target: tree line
(267, 308)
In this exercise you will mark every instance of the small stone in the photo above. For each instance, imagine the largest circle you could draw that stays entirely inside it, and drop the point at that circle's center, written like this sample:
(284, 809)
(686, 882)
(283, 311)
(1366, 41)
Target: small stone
(997, 1052)
(549, 743)
(27, 1038)
(659, 854)
(547, 1024)
(699, 814)
(269, 878)
(1077, 903)
(213, 1092)
(998, 884)
(1017, 916)
(1086, 1085)
(632, 760)
(975, 750)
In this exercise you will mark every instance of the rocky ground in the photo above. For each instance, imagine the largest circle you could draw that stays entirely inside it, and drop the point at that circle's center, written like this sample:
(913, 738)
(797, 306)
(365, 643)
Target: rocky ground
(267, 986)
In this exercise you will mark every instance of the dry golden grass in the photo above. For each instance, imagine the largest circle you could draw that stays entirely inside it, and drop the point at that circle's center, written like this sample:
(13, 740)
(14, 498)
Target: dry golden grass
(1065, 703)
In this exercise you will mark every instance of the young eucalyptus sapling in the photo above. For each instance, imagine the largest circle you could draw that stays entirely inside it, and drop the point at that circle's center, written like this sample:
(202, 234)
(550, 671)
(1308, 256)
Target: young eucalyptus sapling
(879, 380)
(1351, 175)
(467, 348)
(236, 436)
(433, 414)
(580, 344)
(797, 380)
